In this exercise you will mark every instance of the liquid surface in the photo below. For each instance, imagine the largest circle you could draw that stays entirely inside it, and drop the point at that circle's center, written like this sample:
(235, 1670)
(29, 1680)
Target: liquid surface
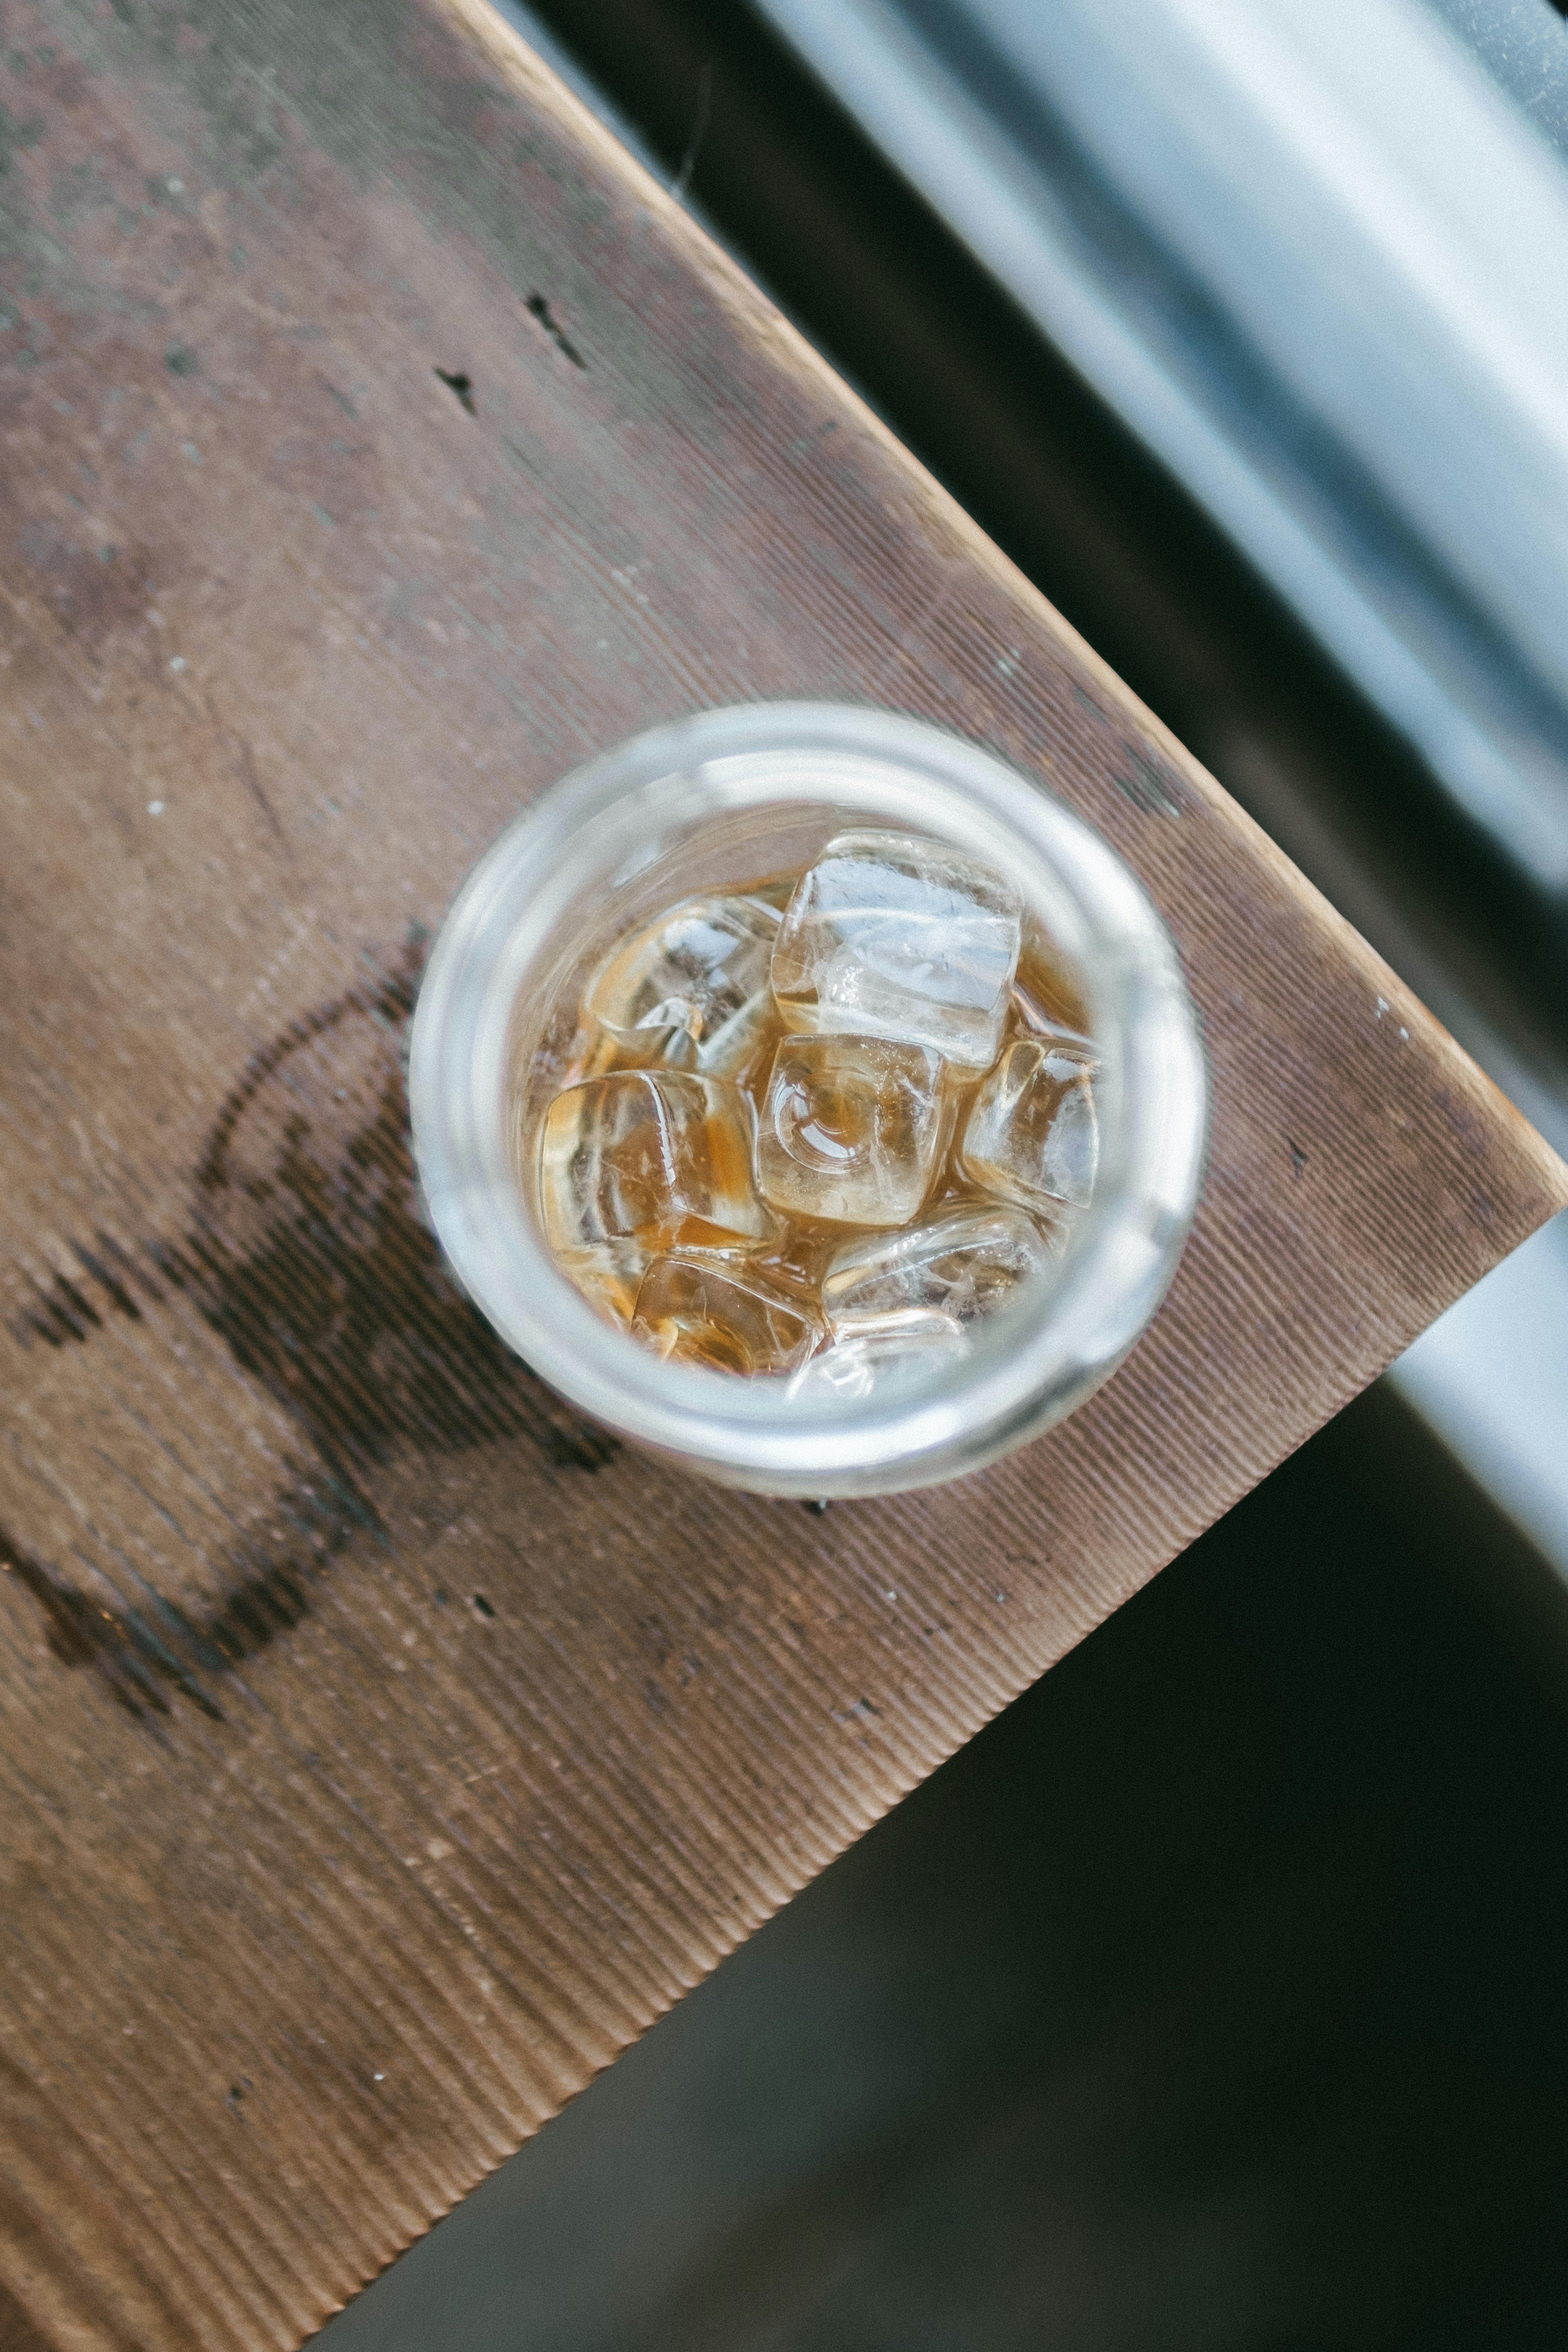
(816, 1129)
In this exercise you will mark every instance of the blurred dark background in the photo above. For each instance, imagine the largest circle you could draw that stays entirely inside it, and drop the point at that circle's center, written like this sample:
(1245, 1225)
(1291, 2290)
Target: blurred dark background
(1215, 1995)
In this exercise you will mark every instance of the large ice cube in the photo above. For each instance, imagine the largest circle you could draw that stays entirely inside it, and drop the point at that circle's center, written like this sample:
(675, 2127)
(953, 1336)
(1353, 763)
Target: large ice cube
(891, 936)
(1031, 1133)
(648, 1154)
(690, 990)
(898, 1349)
(959, 1267)
(850, 1129)
(708, 1307)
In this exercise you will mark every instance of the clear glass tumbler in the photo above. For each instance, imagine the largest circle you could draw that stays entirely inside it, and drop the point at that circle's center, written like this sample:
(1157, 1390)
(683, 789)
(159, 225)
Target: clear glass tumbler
(714, 801)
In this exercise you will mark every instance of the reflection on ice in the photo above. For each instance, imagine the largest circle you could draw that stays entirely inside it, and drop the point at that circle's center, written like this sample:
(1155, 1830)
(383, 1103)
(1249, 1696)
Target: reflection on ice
(1031, 1134)
(890, 936)
(850, 1129)
(710, 1308)
(889, 1351)
(961, 1266)
(690, 990)
(644, 1153)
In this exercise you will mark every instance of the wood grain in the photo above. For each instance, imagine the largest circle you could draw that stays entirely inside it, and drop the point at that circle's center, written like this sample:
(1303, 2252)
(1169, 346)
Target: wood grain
(380, 1749)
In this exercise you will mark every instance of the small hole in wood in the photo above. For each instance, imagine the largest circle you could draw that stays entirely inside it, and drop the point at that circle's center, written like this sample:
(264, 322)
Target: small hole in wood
(538, 308)
(460, 385)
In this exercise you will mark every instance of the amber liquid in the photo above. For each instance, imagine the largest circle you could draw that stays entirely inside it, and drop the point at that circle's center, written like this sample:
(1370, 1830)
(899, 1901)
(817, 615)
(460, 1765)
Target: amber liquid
(1043, 1004)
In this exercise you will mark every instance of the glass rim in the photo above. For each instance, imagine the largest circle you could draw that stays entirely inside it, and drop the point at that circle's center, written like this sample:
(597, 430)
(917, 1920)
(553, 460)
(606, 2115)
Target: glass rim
(1028, 1369)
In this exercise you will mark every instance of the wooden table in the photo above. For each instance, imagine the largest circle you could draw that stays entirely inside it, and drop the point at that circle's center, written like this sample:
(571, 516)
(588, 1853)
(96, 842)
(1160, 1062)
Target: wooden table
(380, 1748)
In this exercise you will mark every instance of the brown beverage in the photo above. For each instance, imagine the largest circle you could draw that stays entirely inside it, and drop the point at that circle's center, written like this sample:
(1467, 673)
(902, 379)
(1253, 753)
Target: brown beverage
(813, 1127)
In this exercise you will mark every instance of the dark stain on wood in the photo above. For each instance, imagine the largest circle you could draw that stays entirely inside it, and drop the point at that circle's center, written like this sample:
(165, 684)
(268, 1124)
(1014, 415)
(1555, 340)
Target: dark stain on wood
(305, 1253)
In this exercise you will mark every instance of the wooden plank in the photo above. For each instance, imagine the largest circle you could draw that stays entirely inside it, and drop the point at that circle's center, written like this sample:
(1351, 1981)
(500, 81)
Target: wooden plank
(380, 1750)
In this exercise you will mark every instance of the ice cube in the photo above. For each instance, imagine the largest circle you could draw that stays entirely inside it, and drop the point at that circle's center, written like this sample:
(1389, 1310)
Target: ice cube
(957, 1267)
(647, 1154)
(1037, 1014)
(638, 1049)
(690, 990)
(710, 1307)
(851, 1128)
(608, 1275)
(896, 1350)
(1031, 1133)
(891, 936)
(798, 1258)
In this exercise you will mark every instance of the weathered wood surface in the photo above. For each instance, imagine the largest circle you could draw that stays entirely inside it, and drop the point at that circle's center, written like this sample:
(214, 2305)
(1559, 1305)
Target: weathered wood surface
(380, 1750)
